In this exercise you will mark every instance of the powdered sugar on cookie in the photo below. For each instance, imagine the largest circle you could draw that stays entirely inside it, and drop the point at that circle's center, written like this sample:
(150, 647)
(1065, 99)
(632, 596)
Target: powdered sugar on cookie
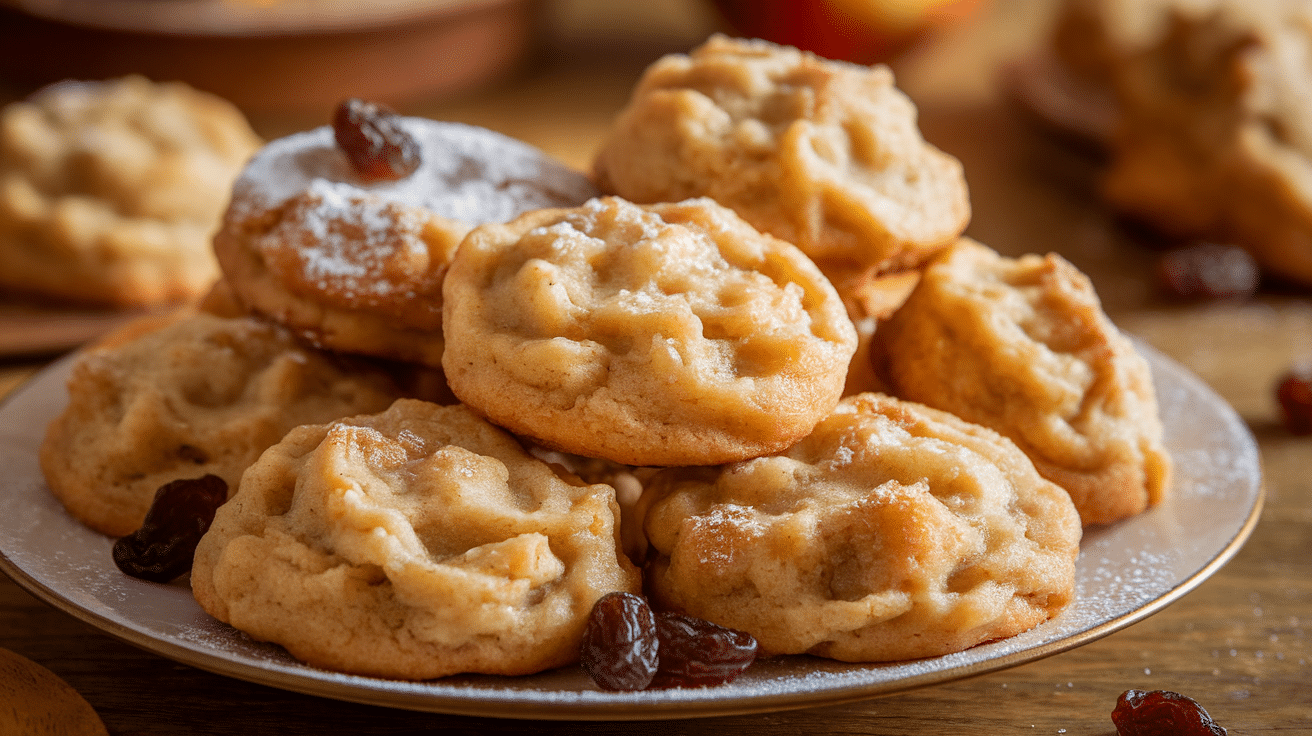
(466, 173)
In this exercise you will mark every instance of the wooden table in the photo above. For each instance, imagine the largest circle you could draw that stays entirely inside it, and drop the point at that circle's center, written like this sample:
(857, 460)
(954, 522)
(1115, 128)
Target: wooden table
(1237, 643)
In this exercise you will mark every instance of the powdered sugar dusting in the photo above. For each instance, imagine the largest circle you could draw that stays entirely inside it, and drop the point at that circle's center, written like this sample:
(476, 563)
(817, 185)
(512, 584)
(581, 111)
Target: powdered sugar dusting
(466, 173)
(352, 240)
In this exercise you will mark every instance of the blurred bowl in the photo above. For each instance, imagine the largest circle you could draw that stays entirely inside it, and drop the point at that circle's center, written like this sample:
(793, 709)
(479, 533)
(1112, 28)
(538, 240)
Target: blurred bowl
(272, 55)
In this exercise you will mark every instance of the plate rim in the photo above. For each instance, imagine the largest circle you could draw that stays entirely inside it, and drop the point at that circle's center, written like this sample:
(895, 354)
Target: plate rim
(229, 19)
(338, 686)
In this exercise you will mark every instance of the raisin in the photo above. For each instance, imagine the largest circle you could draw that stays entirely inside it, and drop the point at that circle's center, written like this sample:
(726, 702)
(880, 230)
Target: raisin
(696, 653)
(619, 647)
(1208, 271)
(373, 140)
(1162, 713)
(1294, 392)
(164, 546)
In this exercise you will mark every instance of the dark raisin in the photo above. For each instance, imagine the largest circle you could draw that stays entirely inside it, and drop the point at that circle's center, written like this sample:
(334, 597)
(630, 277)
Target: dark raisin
(181, 513)
(696, 653)
(373, 140)
(1162, 713)
(1294, 392)
(619, 647)
(1208, 271)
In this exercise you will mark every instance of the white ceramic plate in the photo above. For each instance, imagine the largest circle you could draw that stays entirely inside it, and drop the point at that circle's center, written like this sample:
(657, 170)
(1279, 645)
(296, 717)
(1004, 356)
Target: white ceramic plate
(1125, 573)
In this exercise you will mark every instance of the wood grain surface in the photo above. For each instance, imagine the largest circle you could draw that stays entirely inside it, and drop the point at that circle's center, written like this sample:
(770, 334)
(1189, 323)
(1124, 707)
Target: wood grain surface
(1237, 643)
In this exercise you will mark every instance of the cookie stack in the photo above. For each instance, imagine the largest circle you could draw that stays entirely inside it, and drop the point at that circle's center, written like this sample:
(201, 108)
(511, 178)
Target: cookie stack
(693, 374)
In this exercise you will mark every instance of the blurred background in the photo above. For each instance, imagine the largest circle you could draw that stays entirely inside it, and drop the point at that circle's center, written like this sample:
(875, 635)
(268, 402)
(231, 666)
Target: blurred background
(555, 72)
(287, 62)
(550, 72)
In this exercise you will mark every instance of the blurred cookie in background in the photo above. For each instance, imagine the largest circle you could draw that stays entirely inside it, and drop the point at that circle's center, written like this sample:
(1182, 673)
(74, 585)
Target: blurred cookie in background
(1203, 110)
(111, 190)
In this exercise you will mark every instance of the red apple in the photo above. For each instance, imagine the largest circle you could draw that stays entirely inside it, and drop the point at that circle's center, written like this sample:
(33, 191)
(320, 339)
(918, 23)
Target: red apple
(862, 31)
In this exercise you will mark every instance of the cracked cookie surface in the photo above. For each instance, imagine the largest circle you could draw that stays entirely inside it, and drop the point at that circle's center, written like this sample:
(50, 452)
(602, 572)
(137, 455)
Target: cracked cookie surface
(669, 334)
(416, 543)
(199, 394)
(824, 154)
(1022, 345)
(894, 531)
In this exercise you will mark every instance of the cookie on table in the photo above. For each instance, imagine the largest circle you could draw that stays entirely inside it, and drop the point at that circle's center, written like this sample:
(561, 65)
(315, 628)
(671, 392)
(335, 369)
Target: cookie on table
(356, 264)
(824, 154)
(416, 543)
(1208, 135)
(111, 190)
(666, 334)
(1022, 345)
(183, 396)
(893, 531)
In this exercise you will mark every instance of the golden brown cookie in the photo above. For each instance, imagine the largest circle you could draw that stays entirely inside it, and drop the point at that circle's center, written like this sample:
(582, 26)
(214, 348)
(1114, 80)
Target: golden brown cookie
(110, 191)
(869, 297)
(199, 394)
(669, 334)
(823, 154)
(357, 265)
(1023, 346)
(894, 531)
(349, 271)
(416, 543)
(627, 480)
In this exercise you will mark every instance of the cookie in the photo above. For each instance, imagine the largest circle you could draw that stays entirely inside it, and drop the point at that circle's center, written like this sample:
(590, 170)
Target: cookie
(869, 297)
(627, 481)
(823, 154)
(110, 191)
(415, 543)
(1241, 170)
(667, 334)
(1208, 136)
(352, 272)
(185, 396)
(893, 531)
(357, 265)
(1021, 345)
